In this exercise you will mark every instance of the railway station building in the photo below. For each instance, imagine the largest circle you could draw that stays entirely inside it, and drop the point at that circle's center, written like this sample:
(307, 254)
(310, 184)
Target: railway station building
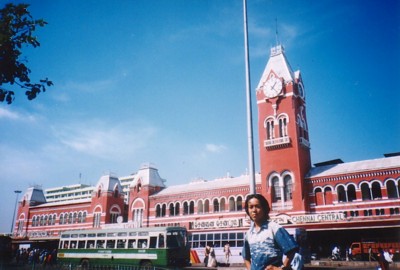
(336, 202)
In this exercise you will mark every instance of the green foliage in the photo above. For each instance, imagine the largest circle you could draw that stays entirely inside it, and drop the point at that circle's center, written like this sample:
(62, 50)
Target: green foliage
(16, 29)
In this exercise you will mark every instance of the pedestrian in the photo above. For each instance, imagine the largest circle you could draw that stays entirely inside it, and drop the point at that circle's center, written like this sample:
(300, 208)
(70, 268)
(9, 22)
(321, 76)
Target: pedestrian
(266, 241)
(212, 260)
(227, 252)
(383, 263)
(371, 254)
(206, 255)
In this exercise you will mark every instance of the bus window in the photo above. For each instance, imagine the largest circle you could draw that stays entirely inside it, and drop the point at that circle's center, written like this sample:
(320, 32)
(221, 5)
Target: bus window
(72, 244)
(81, 244)
(110, 243)
(142, 243)
(131, 243)
(100, 243)
(153, 242)
(121, 243)
(161, 243)
(90, 244)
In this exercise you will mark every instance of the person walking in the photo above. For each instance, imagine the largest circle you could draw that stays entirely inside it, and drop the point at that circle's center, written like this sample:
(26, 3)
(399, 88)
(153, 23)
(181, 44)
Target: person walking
(266, 241)
(227, 252)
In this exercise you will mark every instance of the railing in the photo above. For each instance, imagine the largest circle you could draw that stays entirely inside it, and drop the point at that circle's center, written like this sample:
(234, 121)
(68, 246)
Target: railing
(277, 142)
(277, 206)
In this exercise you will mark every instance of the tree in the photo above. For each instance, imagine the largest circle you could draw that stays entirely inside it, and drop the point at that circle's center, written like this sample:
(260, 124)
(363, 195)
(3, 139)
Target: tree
(16, 29)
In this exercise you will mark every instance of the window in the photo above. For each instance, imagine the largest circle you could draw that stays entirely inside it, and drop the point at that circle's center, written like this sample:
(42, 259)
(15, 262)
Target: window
(200, 209)
(158, 211)
(365, 192)
(392, 190)
(288, 188)
(270, 129)
(276, 191)
(376, 191)
(351, 193)
(283, 127)
(341, 194)
(216, 205)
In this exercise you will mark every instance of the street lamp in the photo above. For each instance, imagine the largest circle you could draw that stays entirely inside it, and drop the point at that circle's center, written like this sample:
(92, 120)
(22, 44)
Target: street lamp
(15, 208)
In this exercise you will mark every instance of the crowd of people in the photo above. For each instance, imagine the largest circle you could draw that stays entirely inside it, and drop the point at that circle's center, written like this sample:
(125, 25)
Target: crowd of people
(35, 256)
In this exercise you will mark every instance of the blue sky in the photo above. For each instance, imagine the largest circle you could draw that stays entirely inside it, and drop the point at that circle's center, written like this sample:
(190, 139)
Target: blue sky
(164, 82)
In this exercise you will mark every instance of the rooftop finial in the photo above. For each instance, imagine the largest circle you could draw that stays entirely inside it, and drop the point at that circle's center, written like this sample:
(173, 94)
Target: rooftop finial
(276, 31)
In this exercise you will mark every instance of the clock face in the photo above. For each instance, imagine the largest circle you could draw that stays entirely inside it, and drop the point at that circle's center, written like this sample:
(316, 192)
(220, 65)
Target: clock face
(272, 87)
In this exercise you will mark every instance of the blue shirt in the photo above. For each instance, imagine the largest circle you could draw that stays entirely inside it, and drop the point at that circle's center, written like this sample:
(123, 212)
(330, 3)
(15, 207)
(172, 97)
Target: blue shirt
(267, 246)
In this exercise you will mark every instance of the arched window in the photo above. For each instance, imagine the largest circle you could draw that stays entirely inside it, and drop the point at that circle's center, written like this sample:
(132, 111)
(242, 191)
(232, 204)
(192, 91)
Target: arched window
(376, 191)
(216, 205)
(80, 217)
(158, 211)
(96, 219)
(70, 216)
(171, 210)
(319, 200)
(270, 129)
(207, 206)
(191, 207)
(61, 221)
(239, 206)
(99, 192)
(232, 206)
(276, 191)
(200, 209)
(185, 208)
(222, 205)
(392, 189)
(114, 214)
(75, 218)
(351, 193)
(163, 210)
(177, 208)
(365, 192)
(341, 194)
(288, 188)
(328, 195)
(116, 192)
(84, 217)
(282, 127)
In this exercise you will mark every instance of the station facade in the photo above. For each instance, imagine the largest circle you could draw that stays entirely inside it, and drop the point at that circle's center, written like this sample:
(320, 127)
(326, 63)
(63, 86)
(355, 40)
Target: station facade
(333, 200)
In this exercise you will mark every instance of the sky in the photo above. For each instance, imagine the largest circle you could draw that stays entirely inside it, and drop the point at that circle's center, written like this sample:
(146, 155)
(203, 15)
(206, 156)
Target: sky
(163, 81)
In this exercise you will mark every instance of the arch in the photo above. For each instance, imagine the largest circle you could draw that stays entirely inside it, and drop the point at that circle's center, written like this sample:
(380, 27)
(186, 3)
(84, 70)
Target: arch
(200, 208)
(222, 204)
(206, 206)
(158, 210)
(366, 194)
(275, 189)
(283, 120)
(351, 192)
(341, 193)
(319, 199)
(269, 127)
(232, 204)
(328, 197)
(376, 190)
(215, 205)
(177, 208)
(392, 190)
(185, 208)
(287, 187)
(191, 207)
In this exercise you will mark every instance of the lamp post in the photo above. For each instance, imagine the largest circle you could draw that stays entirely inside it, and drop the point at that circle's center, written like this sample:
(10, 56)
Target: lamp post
(15, 208)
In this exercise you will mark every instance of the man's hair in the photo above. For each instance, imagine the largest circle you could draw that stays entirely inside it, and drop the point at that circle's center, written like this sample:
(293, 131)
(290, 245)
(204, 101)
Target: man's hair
(264, 204)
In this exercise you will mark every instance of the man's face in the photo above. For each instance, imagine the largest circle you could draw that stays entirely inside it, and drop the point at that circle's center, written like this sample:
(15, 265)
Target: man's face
(256, 212)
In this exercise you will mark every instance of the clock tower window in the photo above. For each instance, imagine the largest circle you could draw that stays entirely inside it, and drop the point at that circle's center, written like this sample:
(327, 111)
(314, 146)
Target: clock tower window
(283, 127)
(270, 129)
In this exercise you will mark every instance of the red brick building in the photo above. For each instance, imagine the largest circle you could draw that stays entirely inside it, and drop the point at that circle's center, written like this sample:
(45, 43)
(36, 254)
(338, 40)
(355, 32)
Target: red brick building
(335, 202)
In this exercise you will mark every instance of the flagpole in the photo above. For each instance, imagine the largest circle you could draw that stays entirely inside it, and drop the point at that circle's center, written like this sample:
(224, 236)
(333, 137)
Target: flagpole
(250, 144)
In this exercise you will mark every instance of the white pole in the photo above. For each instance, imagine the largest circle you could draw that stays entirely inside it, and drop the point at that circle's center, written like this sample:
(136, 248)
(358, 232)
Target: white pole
(249, 112)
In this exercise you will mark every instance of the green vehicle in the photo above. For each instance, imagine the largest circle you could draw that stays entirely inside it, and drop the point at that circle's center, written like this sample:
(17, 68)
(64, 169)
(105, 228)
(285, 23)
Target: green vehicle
(145, 247)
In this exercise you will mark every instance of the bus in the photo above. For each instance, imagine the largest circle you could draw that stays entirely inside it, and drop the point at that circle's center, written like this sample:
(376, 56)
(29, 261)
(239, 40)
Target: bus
(145, 247)
(235, 239)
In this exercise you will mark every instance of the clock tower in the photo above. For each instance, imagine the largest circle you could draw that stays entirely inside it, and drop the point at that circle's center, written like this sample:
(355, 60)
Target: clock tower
(283, 136)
